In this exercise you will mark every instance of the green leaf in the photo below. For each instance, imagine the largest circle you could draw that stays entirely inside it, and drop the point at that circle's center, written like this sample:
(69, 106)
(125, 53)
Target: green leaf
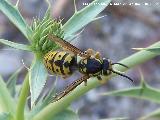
(15, 17)
(37, 78)
(142, 92)
(44, 101)
(17, 91)
(6, 102)
(66, 115)
(11, 83)
(150, 116)
(5, 116)
(83, 17)
(154, 50)
(15, 45)
(51, 93)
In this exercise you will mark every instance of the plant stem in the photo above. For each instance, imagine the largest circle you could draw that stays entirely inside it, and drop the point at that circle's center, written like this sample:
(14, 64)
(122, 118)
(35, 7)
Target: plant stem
(52, 109)
(22, 99)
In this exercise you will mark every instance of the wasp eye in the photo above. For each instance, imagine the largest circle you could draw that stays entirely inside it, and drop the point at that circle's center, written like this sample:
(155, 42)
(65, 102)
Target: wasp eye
(85, 52)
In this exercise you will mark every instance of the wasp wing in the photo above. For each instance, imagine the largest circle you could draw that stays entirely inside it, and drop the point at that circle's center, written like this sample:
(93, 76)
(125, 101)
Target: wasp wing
(70, 87)
(64, 44)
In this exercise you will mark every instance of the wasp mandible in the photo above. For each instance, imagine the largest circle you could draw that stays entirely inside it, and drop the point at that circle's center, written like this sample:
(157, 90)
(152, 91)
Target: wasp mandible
(65, 62)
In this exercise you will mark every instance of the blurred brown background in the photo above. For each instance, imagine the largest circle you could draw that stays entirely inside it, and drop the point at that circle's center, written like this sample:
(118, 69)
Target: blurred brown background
(124, 27)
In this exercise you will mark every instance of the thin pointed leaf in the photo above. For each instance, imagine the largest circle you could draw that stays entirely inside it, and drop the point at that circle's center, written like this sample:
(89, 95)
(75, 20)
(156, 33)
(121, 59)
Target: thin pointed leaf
(15, 17)
(83, 17)
(6, 101)
(17, 89)
(154, 114)
(37, 79)
(11, 83)
(47, 97)
(52, 92)
(154, 50)
(43, 101)
(97, 18)
(143, 92)
(15, 45)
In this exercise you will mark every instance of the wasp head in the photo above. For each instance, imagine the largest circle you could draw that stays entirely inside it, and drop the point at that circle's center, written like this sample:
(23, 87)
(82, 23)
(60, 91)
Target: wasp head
(106, 66)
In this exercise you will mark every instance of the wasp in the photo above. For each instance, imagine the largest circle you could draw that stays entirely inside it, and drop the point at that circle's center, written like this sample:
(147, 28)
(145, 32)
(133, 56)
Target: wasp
(65, 62)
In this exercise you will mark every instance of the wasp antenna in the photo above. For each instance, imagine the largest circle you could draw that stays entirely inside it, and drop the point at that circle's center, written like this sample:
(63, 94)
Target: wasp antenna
(123, 75)
(120, 64)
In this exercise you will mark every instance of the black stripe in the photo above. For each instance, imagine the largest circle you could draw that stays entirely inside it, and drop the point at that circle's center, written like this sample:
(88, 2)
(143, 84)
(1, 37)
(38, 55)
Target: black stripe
(73, 64)
(52, 61)
(63, 59)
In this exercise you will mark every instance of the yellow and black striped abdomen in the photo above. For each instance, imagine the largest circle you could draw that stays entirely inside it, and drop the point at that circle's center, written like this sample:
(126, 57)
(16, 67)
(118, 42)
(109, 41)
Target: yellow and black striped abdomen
(59, 62)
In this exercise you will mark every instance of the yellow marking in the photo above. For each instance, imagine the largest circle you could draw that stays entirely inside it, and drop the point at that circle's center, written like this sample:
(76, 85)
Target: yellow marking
(97, 55)
(67, 59)
(85, 61)
(59, 56)
(66, 70)
(85, 70)
(81, 70)
(96, 74)
(99, 60)
(49, 56)
(57, 69)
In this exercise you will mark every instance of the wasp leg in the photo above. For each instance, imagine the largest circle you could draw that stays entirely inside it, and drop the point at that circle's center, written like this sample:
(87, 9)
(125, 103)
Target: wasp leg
(97, 55)
(100, 80)
(85, 82)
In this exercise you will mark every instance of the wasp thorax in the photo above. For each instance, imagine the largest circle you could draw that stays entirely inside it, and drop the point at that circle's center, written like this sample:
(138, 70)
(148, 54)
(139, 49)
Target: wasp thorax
(91, 66)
